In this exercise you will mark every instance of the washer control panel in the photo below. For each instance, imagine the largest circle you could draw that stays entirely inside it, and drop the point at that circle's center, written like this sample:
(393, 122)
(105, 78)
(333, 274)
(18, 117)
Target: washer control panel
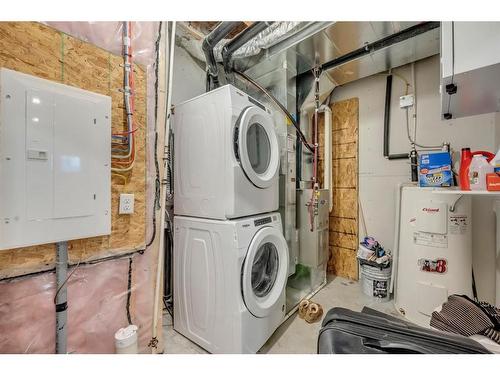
(262, 221)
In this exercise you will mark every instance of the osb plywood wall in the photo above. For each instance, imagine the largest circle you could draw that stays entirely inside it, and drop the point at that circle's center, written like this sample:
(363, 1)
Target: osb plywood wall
(39, 50)
(344, 215)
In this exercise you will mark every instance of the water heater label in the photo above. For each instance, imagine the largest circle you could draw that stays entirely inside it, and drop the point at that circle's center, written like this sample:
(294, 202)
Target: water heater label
(458, 224)
(430, 239)
(432, 265)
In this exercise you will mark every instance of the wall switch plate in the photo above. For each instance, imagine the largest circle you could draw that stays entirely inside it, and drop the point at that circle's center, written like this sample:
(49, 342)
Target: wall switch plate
(126, 204)
(406, 101)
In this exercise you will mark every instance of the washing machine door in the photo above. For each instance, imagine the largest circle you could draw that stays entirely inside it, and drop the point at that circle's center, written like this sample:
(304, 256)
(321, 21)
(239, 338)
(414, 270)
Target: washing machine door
(257, 147)
(265, 271)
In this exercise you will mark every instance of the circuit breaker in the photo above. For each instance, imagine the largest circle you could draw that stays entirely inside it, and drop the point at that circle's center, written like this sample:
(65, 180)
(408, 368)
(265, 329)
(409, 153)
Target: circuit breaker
(55, 161)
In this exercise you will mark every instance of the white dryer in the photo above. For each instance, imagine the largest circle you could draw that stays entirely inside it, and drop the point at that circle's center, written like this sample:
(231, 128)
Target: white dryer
(229, 281)
(226, 156)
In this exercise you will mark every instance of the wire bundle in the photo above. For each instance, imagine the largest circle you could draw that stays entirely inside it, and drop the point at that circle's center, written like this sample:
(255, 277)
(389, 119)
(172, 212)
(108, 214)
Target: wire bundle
(124, 149)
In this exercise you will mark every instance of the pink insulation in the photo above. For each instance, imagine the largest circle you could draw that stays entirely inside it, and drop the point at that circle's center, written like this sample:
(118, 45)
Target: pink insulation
(108, 36)
(97, 296)
(97, 293)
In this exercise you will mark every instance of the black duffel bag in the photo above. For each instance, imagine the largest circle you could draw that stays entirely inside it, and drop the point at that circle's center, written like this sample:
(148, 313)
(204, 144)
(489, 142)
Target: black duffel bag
(344, 331)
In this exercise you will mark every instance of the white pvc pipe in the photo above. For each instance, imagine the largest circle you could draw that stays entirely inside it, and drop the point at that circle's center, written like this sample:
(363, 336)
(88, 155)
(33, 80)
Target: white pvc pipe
(159, 268)
(395, 246)
(327, 170)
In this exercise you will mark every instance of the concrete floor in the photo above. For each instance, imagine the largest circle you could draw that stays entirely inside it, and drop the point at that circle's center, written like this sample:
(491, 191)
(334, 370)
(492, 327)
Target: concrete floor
(295, 336)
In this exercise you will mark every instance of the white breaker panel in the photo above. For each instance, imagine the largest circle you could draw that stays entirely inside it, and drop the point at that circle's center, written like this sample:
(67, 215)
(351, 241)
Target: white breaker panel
(55, 159)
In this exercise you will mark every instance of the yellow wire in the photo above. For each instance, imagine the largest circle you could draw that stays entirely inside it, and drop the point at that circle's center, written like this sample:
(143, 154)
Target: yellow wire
(124, 178)
(127, 168)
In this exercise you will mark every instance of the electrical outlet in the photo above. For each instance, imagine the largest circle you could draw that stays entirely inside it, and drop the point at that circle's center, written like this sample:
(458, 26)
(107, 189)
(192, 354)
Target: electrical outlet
(126, 204)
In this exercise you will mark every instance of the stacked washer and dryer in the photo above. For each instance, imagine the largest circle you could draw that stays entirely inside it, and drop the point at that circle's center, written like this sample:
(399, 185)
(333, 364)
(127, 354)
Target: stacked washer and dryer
(230, 256)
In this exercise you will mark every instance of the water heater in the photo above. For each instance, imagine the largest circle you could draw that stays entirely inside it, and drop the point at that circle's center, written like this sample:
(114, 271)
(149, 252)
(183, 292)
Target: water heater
(434, 256)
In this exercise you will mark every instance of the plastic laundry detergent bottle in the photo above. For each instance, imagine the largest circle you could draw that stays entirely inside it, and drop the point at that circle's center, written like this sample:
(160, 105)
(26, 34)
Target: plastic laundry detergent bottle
(495, 162)
(478, 169)
(465, 161)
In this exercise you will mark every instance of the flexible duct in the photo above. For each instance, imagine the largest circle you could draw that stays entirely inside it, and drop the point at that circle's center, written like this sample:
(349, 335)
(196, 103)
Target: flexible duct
(267, 38)
(240, 40)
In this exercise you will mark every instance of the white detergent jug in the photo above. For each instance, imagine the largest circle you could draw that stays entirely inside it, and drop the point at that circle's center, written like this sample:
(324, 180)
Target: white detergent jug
(478, 169)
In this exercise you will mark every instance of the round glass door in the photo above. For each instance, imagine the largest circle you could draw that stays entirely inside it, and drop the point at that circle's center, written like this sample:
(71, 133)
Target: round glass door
(265, 271)
(258, 147)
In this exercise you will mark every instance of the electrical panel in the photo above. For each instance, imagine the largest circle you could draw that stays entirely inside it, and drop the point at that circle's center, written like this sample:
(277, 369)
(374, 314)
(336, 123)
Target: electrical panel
(55, 162)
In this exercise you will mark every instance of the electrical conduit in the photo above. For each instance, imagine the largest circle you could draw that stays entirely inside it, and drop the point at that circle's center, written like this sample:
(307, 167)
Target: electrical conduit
(61, 301)
(126, 161)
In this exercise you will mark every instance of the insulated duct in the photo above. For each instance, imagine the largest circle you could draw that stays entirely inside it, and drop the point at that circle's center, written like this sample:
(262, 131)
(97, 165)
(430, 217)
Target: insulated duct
(240, 40)
(275, 33)
(210, 41)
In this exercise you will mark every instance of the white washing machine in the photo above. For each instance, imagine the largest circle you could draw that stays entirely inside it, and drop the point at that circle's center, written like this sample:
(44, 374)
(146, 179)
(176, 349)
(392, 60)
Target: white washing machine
(226, 156)
(229, 281)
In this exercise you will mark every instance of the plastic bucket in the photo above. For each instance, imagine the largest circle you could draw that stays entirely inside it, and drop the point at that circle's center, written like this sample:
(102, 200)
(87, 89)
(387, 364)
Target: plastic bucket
(126, 340)
(375, 282)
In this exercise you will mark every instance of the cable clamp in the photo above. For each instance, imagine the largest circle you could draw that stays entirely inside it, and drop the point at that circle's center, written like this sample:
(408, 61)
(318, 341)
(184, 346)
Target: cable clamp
(61, 307)
(126, 91)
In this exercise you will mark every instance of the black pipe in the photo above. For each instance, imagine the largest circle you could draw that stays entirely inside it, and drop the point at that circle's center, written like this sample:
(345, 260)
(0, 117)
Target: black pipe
(387, 120)
(241, 39)
(301, 135)
(414, 165)
(210, 41)
(370, 48)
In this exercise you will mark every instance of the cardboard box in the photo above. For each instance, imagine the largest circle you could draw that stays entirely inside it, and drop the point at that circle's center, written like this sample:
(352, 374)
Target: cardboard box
(493, 182)
(434, 169)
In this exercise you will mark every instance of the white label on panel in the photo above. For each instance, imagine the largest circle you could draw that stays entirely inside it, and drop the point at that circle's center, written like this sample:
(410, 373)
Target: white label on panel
(458, 224)
(430, 239)
(431, 216)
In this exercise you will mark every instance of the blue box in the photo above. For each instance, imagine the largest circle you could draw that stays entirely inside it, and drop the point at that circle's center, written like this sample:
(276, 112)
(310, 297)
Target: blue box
(434, 169)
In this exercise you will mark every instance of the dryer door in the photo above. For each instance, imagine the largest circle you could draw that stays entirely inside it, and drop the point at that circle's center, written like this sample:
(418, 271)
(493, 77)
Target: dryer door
(265, 271)
(258, 147)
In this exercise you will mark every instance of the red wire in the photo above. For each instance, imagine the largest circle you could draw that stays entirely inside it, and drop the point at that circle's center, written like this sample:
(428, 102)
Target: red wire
(125, 133)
